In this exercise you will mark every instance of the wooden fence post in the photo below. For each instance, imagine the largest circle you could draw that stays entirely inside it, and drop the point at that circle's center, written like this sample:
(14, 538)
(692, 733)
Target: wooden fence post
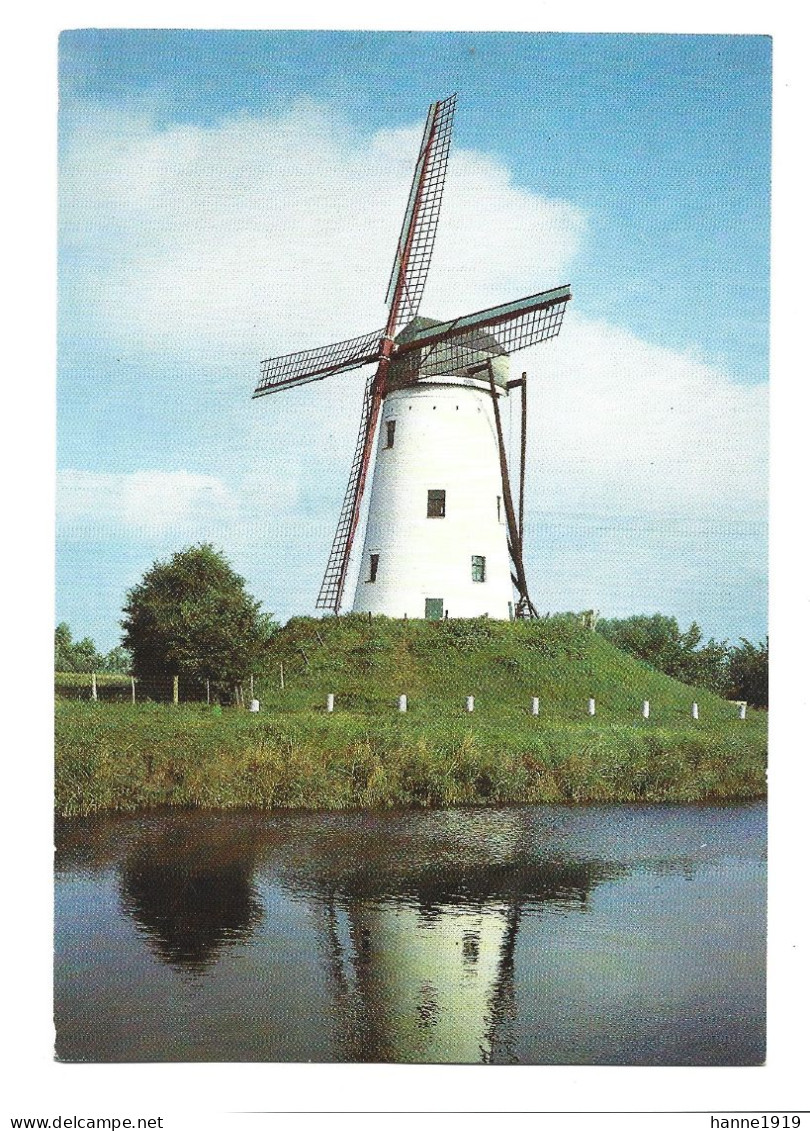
(695, 711)
(251, 687)
(176, 690)
(133, 688)
(591, 707)
(93, 687)
(403, 703)
(535, 706)
(645, 709)
(330, 703)
(470, 704)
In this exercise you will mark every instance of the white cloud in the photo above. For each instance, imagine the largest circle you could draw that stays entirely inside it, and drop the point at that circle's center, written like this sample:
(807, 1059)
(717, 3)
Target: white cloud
(225, 244)
(622, 427)
(156, 502)
(145, 501)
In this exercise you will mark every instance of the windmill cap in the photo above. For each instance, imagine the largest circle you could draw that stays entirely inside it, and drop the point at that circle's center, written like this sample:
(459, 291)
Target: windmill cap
(456, 357)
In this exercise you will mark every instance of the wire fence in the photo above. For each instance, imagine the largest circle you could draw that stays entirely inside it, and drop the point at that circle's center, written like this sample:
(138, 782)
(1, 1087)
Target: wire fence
(126, 689)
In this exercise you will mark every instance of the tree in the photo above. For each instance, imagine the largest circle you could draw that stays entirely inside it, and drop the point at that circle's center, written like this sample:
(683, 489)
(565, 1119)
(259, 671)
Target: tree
(655, 639)
(192, 616)
(748, 673)
(63, 642)
(659, 642)
(739, 672)
(75, 655)
(118, 661)
(82, 655)
(708, 667)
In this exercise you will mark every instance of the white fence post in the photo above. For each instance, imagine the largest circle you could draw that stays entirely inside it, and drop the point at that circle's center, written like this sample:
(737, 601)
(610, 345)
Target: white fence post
(535, 705)
(470, 704)
(591, 706)
(403, 703)
(132, 678)
(93, 687)
(695, 711)
(645, 709)
(742, 709)
(330, 703)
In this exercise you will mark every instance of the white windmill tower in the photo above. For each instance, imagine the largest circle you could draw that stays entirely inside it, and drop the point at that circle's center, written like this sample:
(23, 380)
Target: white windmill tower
(443, 537)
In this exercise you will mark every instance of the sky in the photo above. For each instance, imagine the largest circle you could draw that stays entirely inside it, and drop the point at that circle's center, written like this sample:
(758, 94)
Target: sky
(228, 196)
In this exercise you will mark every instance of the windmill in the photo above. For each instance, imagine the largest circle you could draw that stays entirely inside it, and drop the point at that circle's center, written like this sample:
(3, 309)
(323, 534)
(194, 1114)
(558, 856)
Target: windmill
(441, 452)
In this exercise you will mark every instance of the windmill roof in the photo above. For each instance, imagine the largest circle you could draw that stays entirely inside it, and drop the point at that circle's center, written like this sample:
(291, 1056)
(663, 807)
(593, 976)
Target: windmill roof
(475, 339)
(421, 322)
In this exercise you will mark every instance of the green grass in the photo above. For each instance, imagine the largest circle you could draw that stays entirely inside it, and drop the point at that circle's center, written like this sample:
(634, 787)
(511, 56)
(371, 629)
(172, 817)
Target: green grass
(293, 754)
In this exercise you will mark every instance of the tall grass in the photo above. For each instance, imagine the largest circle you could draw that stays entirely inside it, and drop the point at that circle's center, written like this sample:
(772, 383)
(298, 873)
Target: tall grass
(130, 757)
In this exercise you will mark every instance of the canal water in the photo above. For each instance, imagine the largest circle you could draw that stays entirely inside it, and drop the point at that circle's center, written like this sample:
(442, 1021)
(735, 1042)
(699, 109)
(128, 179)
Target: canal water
(603, 934)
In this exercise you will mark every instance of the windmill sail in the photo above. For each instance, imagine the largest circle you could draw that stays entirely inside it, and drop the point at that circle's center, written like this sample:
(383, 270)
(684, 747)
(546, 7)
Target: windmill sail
(415, 245)
(334, 579)
(313, 365)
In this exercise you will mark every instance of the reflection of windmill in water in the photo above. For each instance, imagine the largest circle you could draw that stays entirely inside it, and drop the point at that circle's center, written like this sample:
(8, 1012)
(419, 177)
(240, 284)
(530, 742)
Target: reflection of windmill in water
(427, 973)
(415, 983)
(441, 453)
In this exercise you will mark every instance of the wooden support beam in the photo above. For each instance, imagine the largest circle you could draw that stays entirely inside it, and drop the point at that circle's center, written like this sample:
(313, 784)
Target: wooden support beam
(522, 495)
(514, 539)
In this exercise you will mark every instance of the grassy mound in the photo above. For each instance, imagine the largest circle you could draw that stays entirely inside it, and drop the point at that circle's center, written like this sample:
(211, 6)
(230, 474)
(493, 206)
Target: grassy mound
(294, 754)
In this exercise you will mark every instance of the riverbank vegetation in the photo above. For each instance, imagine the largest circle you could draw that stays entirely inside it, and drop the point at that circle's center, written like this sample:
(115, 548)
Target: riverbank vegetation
(294, 754)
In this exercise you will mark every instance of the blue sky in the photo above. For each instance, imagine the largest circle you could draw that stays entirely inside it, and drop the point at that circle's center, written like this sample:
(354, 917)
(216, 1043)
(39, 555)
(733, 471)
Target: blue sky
(228, 195)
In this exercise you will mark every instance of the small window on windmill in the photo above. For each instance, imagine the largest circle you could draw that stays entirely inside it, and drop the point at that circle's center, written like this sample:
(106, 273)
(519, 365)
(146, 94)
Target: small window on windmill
(373, 566)
(479, 568)
(436, 504)
(390, 429)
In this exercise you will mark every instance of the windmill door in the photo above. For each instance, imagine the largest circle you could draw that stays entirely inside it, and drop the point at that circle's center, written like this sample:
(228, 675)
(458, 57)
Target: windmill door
(434, 608)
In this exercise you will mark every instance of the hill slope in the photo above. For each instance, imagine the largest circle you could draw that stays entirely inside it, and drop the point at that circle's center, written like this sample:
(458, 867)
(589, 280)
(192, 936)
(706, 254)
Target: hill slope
(366, 754)
(367, 664)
